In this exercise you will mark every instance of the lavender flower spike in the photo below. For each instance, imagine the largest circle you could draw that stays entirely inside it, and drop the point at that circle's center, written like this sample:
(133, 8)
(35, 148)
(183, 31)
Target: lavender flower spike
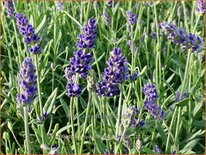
(27, 82)
(87, 38)
(9, 6)
(27, 31)
(107, 18)
(150, 91)
(131, 18)
(182, 38)
(59, 5)
(200, 6)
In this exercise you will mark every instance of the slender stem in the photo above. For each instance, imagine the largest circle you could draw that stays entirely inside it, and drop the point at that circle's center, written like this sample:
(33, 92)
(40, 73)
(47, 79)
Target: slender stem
(85, 123)
(26, 125)
(97, 64)
(72, 123)
(120, 142)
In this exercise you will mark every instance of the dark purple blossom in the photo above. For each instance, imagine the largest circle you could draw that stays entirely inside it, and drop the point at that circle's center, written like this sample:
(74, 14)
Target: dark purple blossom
(178, 98)
(133, 77)
(153, 109)
(111, 3)
(156, 149)
(200, 6)
(80, 63)
(182, 38)
(153, 35)
(27, 82)
(107, 18)
(150, 91)
(28, 33)
(114, 74)
(9, 6)
(131, 18)
(87, 38)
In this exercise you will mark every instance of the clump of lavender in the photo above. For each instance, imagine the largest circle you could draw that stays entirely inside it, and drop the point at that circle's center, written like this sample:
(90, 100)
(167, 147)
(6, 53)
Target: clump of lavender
(182, 38)
(27, 82)
(27, 31)
(153, 109)
(200, 6)
(150, 91)
(107, 18)
(114, 74)
(131, 18)
(59, 5)
(87, 38)
(9, 6)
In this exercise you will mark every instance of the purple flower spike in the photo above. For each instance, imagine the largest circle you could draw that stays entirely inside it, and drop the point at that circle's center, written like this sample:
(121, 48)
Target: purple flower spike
(87, 38)
(9, 6)
(114, 74)
(200, 6)
(111, 2)
(150, 91)
(27, 82)
(59, 5)
(131, 18)
(107, 18)
(80, 63)
(182, 38)
(153, 109)
(73, 90)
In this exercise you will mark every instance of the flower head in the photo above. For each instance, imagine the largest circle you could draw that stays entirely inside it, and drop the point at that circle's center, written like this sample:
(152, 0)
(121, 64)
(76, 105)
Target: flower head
(153, 109)
(87, 38)
(200, 6)
(80, 63)
(150, 91)
(59, 5)
(9, 6)
(182, 38)
(27, 82)
(131, 18)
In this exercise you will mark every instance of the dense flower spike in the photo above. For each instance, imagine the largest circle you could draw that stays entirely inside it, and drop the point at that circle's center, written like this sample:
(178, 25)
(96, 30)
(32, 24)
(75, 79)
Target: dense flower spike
(153, 109)
(87, 38)
(80, 63)
(182, 38)
(150, 91)
(115, 73)
(9, 6)
(200, 6)
(134, 76)
(27, 82)
(59, 5)
(107, 18)
(131, 18)
(27, 31)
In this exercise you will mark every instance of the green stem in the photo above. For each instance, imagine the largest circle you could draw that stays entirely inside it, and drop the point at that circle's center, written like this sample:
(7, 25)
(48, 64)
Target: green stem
(26, 125)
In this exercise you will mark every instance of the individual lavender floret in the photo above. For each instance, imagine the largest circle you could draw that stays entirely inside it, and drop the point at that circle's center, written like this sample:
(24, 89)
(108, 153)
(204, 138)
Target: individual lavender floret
(107, 18)
(27, 82)
(80, 63)
(9, 6)
(153, 109)
(59, 5)
(200, 6)
(131, 18)
(107, 89)
(87, 38)
(150, 91)
(153, 35)
(27, 31)
(148, 3)
(73, 89)
(111, 2)
(182, 38)
(156, 149)
(178, 98)
(133, 77)
(108, 152)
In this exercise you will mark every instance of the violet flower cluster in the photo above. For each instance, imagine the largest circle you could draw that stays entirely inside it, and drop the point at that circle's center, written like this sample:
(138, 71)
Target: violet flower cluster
(131, 18)
(87, 38)
(130, 118)
(107, 18)
(27, 31)
(182, 38)
(151, 94)
(114, 74)
(27, 82)
(9, 6)
(200, 6)
(59, 5)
